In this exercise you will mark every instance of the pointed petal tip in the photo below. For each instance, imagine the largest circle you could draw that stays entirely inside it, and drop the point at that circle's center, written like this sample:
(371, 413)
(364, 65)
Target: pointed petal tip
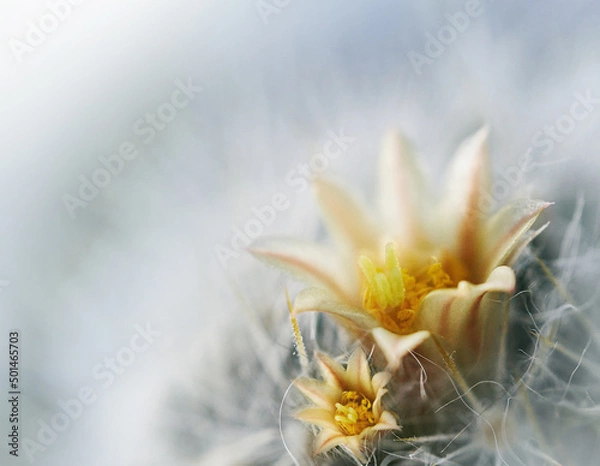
(387, 421)
(476, 143)
(346, 215)
(395, 347)
(483, 132)
(393, 139)
(319, 300)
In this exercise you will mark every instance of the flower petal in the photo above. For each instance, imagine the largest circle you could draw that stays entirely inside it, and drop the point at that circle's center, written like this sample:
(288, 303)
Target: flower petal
(467, 180)
(522, 243)
(394, 347)
(380, 380)
(328, 439)
(333, 372)
(505, 229)
(316, 264)
(401, 189)
(356, 445)
(387, 421)
(317, 299)
(323, 395)
(346, 218)
(461, 315)
(358, 373)
(377, 403)
(317, 416)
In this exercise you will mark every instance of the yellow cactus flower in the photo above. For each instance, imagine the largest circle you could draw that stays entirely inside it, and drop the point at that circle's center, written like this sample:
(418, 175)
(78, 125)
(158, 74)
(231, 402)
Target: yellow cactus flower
(419, 268)
(347, 404)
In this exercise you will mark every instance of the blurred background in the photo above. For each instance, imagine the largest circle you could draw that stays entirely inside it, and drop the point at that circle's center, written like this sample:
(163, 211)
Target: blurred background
(141, 139)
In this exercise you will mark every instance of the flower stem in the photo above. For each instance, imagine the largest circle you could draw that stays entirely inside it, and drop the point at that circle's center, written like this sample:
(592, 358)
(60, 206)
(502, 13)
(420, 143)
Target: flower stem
(297, 334)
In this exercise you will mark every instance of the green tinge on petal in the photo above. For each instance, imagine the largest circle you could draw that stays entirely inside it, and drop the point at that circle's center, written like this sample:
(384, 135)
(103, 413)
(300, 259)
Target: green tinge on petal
(317, 299)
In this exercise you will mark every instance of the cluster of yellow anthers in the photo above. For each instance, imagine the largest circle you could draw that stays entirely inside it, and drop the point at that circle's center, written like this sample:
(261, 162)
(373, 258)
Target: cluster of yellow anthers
(393, 296)
(420, 269)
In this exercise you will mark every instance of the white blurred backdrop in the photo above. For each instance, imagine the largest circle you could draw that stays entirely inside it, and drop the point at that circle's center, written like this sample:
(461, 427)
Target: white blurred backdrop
(216, 102)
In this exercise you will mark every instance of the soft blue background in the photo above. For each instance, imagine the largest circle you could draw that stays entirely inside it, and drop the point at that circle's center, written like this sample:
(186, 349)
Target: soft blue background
(143, 251)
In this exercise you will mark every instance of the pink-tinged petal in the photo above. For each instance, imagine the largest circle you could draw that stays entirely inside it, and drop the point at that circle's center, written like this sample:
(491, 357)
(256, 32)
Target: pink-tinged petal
(468, 179)
(394, 347)
(506, 228)
(358, 374)
(317, 299)
(311, 262)
(401, 189)
(461, 315)
(323, 395)
(333, 372)
(328, 439)
(387, 421)
(346, 218)
(317, 416)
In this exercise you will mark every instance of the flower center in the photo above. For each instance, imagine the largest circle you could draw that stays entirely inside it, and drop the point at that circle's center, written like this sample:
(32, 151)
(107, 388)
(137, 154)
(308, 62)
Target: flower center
(393, 295)
(354, 413)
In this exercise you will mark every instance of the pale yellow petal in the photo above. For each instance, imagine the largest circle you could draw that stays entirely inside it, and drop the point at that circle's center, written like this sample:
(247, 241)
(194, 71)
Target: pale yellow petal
(380, 380)
(320, 393)
(358, 374)
(505, 230)
(468, 179)
(333, 372)
(317, 416)
(387, 421)
(522, 243)
(311, 262)
(460, 315)
(328, 439)
(316, 299)
(346, 218)
(401, 189)
(394, 347)
(356, 445)
(377, 402)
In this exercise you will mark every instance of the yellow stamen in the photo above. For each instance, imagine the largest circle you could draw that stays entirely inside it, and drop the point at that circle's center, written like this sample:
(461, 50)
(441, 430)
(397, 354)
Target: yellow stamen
(297, 334)
(354, 413)
(393, 295)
